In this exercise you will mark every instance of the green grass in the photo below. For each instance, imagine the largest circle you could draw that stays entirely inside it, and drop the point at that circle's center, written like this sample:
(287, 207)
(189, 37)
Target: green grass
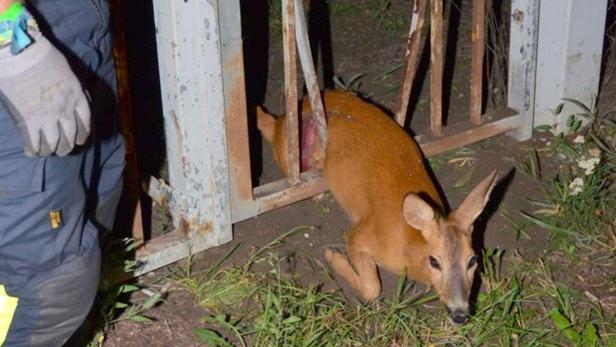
(275, 20)
(387, 20)
(249, 308)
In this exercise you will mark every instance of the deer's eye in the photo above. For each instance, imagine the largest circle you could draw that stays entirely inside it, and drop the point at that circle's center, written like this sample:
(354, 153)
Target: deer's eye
(434, 263)
(472, 261)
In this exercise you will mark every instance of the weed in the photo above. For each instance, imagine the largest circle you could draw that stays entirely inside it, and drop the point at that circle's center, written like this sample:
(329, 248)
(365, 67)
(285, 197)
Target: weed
(579, 200)
(275, 20)
(340, 8)
(462, 159)
(385, 74)
(467, 177)
(531, 166)
(497, 47)
(459, 157)
(518, 227)
(113, 303)
(353, 83)
(389, 20)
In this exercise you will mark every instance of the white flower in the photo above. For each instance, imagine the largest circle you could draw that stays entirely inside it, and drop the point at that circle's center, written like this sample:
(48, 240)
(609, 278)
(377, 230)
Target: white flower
(576, 186)
(555, 131)
(306, 235)
(588, 165)
(578, 181)
(579, 139)
(594, 152)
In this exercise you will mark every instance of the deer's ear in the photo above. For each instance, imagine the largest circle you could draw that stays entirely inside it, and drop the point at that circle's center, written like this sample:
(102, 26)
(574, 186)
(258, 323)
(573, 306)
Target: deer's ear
(419, 214)
(475, 202)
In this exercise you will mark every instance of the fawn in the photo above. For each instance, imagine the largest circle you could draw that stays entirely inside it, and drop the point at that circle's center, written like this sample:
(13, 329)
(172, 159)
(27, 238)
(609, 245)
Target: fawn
(376, 172)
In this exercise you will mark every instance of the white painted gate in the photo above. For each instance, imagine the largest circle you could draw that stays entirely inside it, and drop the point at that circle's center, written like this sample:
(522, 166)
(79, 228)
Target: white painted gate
(202, 85)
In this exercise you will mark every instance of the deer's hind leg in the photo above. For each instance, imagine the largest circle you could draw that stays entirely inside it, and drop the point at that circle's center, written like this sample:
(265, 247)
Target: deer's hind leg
(361, 272)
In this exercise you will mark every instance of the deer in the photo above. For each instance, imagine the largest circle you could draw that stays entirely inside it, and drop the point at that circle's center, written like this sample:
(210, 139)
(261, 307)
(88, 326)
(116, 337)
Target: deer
(377, 173)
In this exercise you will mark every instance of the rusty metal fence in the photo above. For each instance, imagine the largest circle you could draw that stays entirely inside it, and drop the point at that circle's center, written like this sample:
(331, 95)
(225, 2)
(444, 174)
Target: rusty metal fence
(201, 65)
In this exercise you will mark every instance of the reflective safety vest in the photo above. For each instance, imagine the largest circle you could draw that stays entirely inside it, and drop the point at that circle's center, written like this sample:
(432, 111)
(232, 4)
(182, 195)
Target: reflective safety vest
(8, 304)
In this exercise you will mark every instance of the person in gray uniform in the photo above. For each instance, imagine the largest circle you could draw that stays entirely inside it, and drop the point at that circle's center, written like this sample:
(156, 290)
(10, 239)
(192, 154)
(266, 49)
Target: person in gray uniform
(61, 164)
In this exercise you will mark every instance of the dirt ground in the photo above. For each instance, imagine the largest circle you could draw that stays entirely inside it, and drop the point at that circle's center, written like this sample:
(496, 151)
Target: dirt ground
(367, 40)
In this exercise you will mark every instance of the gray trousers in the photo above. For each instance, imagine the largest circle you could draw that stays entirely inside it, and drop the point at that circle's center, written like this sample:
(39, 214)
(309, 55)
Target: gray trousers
(53, 269)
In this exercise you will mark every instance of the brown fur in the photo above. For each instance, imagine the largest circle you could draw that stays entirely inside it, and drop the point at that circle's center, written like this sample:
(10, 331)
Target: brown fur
(377, 174)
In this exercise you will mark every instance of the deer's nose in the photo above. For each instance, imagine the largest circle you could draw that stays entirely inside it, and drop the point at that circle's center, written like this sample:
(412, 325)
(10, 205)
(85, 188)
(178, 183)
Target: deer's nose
(459, 316)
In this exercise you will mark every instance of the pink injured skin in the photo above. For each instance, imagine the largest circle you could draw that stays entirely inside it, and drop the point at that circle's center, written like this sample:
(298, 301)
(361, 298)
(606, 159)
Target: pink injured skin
(309, 142)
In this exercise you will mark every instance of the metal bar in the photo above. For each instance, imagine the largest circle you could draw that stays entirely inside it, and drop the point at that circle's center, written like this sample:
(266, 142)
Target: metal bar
(132, 184)
(477, 39)
(159, 191)
(138, 229)
(464, 133)
(290, 83)
(279, 193)
(158, 244)
(235, 103)
(238, 143)
(167, 65)
(411, 61)
(522, 63)
(312, 85)
(569, 55)
(436, 67)
(159, 251)
(191, 73)
(162, 251)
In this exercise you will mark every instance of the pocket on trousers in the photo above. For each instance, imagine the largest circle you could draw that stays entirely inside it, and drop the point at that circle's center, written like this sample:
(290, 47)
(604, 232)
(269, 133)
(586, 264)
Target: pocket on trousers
(21, 187)
(21, 176)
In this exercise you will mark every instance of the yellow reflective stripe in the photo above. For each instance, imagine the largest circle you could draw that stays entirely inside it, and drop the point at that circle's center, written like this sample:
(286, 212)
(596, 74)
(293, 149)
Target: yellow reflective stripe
(8, 304)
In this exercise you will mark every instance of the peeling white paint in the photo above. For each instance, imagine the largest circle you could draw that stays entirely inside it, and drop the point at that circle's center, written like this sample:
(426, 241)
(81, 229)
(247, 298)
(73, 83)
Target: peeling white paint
(189, 52)
(569, 57)
(522, 63)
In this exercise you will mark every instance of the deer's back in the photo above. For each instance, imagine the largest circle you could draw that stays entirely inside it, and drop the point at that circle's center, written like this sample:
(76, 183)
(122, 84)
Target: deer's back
(371, 163)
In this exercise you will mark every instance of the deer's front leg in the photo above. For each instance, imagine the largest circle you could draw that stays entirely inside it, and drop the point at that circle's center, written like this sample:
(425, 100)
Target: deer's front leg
(361, 272)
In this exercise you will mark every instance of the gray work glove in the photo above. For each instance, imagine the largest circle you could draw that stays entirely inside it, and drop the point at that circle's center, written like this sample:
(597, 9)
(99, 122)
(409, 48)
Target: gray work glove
(45, 98)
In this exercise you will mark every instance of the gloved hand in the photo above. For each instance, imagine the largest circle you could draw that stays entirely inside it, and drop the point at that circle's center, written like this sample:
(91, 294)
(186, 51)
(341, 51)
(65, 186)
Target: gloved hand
(44, 97)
